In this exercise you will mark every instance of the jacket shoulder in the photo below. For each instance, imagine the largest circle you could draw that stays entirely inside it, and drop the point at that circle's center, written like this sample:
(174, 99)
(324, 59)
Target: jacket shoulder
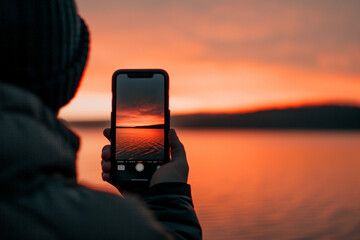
(68, 211)
(108, 216)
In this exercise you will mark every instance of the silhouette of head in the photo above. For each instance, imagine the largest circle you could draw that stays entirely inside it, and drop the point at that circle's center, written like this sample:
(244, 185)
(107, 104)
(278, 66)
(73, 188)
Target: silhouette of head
(44, 48)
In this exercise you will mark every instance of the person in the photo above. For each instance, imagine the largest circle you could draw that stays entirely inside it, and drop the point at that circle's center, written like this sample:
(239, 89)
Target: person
(44, 50)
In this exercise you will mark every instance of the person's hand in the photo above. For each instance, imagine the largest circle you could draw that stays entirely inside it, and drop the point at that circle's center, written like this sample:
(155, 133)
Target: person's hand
(176, 170)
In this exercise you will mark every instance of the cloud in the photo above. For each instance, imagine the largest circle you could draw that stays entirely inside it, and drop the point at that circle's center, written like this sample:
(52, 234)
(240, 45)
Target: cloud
(138, 98)
(144, 95)
(301, 33)
(232, 53)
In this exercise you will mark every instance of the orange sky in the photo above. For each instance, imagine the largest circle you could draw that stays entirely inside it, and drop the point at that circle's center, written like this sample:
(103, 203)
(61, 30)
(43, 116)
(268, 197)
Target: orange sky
(224, 55)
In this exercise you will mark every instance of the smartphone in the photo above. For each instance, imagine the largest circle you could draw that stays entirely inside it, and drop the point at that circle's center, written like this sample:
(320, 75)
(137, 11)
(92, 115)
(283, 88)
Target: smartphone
(140, 122)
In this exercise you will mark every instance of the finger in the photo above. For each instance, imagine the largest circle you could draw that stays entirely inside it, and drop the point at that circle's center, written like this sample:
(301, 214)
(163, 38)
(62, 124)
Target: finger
(106, 153)
(106, 166)
(105, 176)
(177, 148)
(107, 133)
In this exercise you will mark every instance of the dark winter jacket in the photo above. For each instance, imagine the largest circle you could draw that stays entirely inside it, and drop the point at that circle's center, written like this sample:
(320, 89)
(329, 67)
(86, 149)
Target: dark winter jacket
(39, 195)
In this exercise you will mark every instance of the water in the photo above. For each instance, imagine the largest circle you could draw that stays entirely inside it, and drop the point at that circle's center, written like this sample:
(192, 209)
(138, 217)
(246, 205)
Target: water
(139, 143)
(262, 184)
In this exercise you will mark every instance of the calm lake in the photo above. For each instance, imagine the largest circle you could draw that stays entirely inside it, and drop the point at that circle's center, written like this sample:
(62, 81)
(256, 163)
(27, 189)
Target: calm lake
(253, 184)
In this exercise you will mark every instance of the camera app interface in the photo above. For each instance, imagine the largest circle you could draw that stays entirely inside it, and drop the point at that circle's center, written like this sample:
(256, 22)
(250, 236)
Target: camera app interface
(140, 120)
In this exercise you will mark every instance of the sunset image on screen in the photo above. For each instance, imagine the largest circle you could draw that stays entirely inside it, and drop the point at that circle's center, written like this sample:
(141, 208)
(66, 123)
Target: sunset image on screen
(140, 118)
(139, 101)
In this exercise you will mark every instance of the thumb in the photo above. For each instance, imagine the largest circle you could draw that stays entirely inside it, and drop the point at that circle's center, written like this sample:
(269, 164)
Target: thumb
(177, 148)
(177, 170)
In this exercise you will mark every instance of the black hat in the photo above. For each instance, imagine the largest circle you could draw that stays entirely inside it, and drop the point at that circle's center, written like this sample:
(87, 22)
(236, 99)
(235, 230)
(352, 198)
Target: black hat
(44, 48)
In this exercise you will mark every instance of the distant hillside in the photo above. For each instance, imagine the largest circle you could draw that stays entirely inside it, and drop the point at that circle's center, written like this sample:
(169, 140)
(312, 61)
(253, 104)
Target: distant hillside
(87, 124)
(315, 117)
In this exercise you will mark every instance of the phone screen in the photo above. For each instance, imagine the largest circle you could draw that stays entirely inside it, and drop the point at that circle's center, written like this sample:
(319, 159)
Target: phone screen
(140, 133)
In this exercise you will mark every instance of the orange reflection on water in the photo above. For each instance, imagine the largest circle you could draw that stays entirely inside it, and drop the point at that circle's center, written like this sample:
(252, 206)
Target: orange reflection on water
(140, 143)
(275, 184)
(262, 184)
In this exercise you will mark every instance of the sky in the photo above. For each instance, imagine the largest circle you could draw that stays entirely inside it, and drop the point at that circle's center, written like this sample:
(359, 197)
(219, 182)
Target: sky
(224, 56)
(140, 101)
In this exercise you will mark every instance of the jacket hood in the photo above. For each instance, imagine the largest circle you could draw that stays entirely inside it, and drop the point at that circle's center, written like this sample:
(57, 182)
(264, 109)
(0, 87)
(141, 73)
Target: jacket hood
(45, 46)
(33, 143)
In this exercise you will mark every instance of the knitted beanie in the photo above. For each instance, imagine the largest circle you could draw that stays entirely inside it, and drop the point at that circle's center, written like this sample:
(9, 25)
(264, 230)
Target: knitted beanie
(44, 48)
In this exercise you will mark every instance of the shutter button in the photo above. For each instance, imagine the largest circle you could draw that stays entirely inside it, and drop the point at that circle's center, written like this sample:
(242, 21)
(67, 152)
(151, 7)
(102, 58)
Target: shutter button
(139, 167)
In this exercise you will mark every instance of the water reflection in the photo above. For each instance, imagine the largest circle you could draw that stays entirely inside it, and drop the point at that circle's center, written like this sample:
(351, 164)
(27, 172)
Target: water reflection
(263, 184)
(139, 143)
